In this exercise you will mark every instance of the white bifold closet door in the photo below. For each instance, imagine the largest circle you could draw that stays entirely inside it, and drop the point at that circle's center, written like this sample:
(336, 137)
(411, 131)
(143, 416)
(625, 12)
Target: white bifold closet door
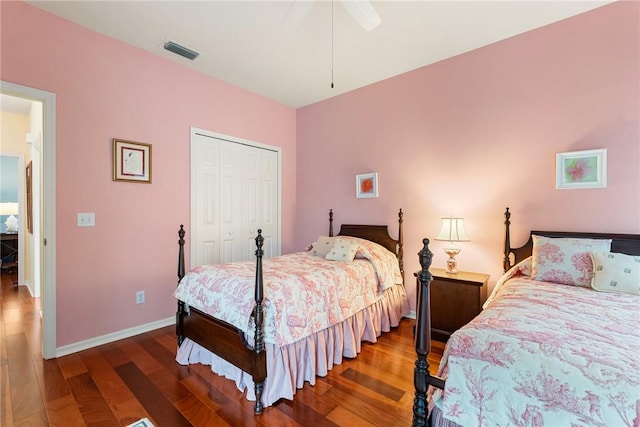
(234, 192)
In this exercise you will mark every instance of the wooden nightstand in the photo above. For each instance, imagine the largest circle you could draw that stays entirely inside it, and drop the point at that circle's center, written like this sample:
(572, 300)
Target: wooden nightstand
(455, 300)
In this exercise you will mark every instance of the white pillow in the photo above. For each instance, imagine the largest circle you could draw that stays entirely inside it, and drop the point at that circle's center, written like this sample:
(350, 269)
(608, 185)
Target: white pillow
(613, 272)
(565, 260)
(343, 251)
(322, 246)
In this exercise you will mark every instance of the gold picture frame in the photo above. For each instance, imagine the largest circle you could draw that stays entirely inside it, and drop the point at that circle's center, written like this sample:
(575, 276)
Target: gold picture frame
(131, 161)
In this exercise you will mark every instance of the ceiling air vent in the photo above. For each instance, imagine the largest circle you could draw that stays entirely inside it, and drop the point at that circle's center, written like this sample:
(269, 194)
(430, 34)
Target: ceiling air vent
(181, 50)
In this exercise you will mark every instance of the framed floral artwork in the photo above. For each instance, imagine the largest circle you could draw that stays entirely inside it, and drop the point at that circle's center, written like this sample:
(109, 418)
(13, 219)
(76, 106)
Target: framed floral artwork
(131, 161)
(367, 185)
(581, 169)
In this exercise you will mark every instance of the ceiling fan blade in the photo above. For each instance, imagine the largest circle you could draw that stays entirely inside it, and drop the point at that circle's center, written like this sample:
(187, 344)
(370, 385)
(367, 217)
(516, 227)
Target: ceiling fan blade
(363, 12)
(296, 12)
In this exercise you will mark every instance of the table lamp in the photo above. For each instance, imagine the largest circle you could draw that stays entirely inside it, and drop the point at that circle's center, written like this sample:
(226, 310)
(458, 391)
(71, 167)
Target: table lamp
(452, 231)
(11, 209)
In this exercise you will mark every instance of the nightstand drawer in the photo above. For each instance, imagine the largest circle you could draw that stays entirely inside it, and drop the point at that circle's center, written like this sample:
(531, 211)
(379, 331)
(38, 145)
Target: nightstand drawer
(455, 300)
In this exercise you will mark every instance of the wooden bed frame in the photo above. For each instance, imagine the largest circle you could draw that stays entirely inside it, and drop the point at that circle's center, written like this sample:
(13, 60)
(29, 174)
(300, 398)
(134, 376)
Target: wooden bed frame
(621, 243)
(227, 341)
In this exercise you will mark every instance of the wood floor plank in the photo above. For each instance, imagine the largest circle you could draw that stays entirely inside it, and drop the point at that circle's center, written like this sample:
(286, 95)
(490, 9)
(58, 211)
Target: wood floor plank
(153, 401)
(207, 394)
(368, 381)
(64, 412)
(114, 354)
(238, 413)
(6, 408)
(168, 340)
(130, 411)
(316, 397)
(199, 414)
(20, 366)
(26, 400)
(14, 327)
(364, 391)
(162, 355)
(93, 407)
(342, 417)
(118, 396)
(71, 366)
(348, 389)
(39, 419)
(365, 407)
(53, 385)
(169, 385)
(143, 360)
(113, 388)
(304, 414)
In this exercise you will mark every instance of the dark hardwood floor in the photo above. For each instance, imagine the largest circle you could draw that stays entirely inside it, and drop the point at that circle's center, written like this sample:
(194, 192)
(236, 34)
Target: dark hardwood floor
(121, 382)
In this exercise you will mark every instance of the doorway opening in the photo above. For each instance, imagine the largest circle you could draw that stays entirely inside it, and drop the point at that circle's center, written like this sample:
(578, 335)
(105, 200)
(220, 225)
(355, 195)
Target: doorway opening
(44, 241)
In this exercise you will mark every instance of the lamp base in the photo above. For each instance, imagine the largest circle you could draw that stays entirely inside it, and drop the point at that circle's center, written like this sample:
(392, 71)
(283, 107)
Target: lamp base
(11, 224)
(452, 264)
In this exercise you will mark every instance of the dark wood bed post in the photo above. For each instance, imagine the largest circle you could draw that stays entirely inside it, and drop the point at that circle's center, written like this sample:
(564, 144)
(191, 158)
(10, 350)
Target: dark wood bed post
(181, 269)
(259, 350)
(506, 263)
(422, 379)
(400, 245)
(330, 222)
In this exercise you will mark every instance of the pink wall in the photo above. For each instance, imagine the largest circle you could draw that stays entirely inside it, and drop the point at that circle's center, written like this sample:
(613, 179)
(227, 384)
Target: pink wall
(441, 137)
(106, 89)
(476, 133)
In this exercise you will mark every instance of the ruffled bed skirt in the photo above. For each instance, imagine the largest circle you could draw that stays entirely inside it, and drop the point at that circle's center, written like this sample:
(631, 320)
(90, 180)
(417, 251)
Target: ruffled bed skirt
(437, 419)
(290, 366)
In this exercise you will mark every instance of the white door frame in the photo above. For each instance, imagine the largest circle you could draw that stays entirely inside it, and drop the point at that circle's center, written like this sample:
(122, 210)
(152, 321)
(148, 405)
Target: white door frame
(48, 209)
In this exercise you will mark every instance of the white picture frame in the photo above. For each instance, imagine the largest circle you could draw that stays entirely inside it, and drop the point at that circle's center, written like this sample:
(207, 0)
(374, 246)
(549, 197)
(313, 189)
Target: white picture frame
(366, 185)
(581, 169)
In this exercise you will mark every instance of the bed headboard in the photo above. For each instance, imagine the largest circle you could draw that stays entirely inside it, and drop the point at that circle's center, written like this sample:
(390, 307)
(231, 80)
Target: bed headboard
(622, 243)
(376, 233)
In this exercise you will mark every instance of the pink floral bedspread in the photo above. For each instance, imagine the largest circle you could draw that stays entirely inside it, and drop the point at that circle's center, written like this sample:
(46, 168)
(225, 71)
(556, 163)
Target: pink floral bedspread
(542, 354)
(303, 293)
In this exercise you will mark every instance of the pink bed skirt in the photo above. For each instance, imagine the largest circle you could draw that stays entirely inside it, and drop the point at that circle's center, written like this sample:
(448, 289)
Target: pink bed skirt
(290, 366)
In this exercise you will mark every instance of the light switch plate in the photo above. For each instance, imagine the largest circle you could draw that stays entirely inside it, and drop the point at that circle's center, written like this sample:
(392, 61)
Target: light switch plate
(87, 219)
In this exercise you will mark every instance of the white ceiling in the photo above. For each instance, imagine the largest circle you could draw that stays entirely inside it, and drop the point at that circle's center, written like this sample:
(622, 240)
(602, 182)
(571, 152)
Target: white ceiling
(275, 49)
(14, 104)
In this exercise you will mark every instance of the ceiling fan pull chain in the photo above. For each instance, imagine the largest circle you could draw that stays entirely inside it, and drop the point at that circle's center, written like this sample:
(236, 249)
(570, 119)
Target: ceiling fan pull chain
(331, 44)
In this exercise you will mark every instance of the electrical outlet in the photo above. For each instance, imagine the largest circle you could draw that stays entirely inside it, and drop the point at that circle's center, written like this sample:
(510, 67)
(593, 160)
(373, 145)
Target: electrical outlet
(140, 297)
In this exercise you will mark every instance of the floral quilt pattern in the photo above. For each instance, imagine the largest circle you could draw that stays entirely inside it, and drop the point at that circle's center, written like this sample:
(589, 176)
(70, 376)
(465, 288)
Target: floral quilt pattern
(303, 293)
(544, 354)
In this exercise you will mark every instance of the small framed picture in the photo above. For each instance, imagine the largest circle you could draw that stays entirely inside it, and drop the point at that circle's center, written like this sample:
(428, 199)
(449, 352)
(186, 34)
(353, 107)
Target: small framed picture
(581, 169)
(131, 161)
(367, 185)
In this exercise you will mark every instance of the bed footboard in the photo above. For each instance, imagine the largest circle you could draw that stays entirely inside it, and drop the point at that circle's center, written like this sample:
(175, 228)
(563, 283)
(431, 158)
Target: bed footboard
(422, 379)
(223, 339)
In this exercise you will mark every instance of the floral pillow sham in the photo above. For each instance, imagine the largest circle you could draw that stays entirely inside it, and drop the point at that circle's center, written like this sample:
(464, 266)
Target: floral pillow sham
(565, 260)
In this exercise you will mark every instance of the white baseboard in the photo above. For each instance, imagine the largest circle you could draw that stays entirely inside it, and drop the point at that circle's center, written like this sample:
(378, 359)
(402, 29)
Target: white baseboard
(114, 336)
(29, 288)
(411, 315)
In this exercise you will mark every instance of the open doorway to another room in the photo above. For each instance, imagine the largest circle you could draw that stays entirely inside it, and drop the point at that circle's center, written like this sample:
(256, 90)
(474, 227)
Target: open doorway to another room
(28, 139)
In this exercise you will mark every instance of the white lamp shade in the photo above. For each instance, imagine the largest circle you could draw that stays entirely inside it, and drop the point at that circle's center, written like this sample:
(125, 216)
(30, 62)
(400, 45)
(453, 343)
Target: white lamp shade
(453, 230)
(9, 208)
